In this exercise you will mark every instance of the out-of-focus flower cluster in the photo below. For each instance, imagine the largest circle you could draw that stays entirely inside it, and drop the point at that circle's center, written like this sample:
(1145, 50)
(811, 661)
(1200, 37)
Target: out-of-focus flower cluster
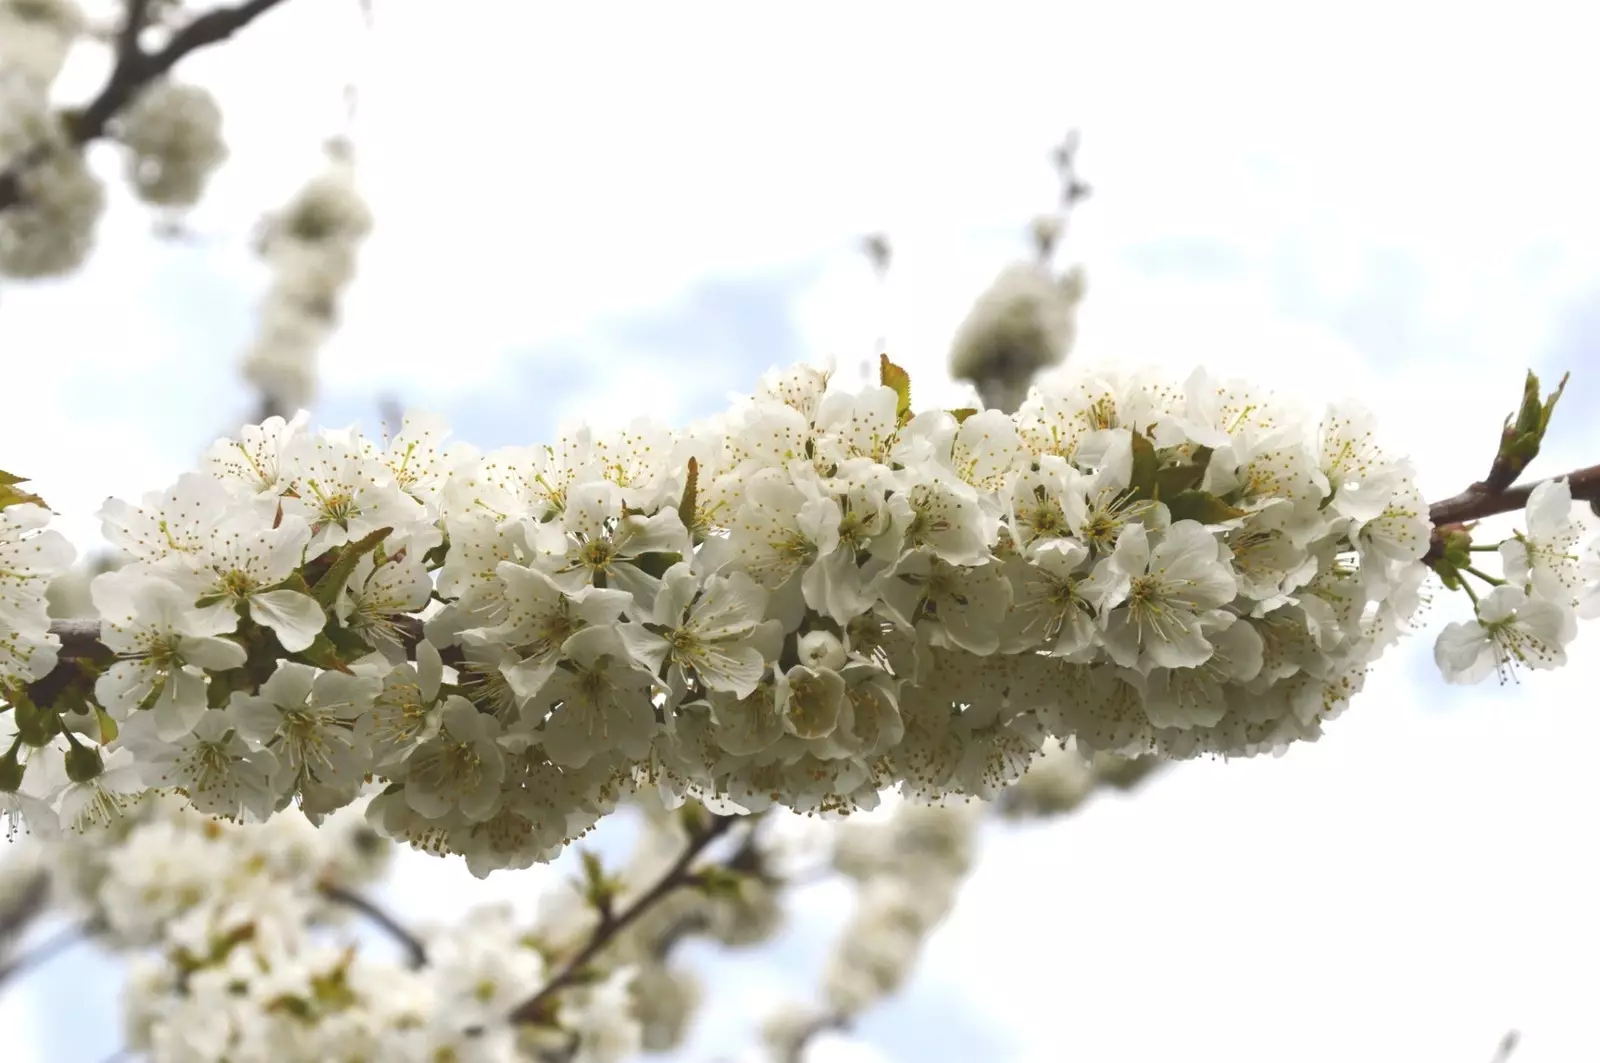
(240, 949)
(173, 133)
(310, 246)
(805, 601)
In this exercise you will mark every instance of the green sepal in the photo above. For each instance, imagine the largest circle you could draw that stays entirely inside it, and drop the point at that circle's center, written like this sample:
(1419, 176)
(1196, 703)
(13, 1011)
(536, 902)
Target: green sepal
(962, 414)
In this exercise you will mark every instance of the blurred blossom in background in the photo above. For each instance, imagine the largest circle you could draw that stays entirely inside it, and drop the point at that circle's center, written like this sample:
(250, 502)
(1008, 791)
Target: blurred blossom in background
(606, 214)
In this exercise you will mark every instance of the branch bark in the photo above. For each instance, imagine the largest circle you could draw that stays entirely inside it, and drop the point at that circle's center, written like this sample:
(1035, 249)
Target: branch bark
(135, 68)
(679, 874)
(416, 952)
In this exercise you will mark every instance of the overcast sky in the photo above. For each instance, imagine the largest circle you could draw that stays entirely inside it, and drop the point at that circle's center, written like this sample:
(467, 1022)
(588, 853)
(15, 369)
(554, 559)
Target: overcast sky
(637, 210)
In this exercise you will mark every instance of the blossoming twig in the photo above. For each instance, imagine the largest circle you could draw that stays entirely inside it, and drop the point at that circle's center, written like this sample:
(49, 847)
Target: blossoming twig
(1481, 500)
(679, 874)
(136, 68)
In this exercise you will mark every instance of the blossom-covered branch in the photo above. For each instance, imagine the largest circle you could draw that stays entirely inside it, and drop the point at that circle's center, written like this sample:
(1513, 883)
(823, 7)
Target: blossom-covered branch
(808, 600)
(134, 68)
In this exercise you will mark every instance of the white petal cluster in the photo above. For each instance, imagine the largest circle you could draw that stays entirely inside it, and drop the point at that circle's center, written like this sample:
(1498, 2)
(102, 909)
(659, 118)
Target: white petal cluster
(35, 36)
(310, 246)
(30, 557)
(806, 601)
(1528, 620)
(1023, 324)
(909, 870)
(173, 133)
(51, 230)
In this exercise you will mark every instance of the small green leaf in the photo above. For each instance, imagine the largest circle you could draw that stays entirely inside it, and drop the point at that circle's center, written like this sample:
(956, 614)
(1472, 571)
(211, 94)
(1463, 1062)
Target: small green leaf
(327, 589)
(12, 495)
(1521, 438)
(1175, 479)
(719, 881)
(687, 504)
(1202, 506)
(962, 414)
(892, 376)
(1142, 482)
(324, 654)
(108, 726)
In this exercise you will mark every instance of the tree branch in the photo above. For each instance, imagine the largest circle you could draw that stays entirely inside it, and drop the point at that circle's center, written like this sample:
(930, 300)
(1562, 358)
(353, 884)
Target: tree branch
(1480, 500)
(135, 68)
(416, 952)
(679, 874)
(48, 949)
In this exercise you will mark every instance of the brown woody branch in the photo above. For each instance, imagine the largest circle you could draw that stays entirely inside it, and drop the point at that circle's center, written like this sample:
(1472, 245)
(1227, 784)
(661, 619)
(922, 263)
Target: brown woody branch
(416, 952)
(537, 1007)
(1481, 500)
(135, 68)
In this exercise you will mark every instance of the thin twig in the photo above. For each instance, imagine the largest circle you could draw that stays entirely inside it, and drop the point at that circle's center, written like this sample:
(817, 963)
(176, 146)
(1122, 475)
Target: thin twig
(416, 952)
(679, 874)
(135, 68)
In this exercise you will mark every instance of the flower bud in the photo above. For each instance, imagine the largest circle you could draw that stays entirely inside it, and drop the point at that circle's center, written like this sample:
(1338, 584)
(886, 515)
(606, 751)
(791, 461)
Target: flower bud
(84, 763)
(821, 649)
(35, 726)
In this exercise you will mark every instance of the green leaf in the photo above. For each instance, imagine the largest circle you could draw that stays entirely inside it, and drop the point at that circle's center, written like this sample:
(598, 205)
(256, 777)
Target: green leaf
(434, 559)
(962, 414)
(1175, 479)
(12, 495)
(1142, 482)
(1520, 439)
(327, 589)
(324, 654)
(108, 726)
(599, 888)
(687, 504)
(719, 881)
(1202, 506)
(892, 376)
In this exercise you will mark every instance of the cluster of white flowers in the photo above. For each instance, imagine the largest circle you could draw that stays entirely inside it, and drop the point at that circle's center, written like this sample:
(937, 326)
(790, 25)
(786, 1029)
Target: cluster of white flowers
(173, 133)
(909, 871)
(310, 246)
(36, 35)
(239, 951)
(1023, 324)
(30, 557)
(805, 601)
(1532, 612)
(52, 230)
